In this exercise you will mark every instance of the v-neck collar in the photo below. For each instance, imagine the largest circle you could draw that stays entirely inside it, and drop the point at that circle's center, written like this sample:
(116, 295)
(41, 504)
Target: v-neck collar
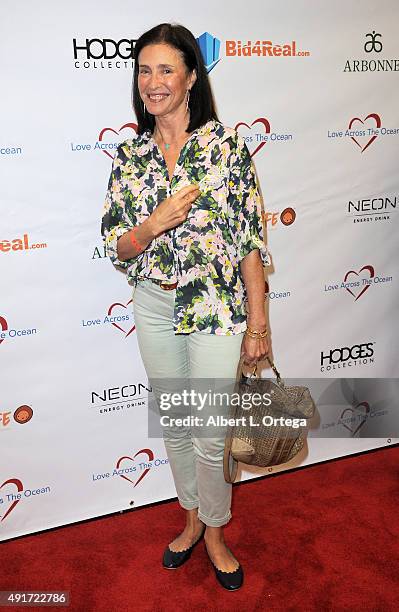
(157, 150)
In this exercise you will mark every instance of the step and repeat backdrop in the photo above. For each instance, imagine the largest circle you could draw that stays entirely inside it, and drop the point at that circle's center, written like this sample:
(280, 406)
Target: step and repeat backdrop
(313, 88)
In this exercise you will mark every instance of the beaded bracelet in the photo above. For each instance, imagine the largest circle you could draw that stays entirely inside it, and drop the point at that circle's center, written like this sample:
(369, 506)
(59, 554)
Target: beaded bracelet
(139, 247)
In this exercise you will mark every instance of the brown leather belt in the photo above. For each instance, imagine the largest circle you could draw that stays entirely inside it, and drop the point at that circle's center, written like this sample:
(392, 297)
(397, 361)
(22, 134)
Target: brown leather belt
(164, 286)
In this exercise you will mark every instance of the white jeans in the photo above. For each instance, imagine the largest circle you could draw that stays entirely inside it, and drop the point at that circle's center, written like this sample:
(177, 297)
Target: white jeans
(196, 461)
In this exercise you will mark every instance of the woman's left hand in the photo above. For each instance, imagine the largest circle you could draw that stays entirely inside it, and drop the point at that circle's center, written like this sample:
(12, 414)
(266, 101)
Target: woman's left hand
(254, 349)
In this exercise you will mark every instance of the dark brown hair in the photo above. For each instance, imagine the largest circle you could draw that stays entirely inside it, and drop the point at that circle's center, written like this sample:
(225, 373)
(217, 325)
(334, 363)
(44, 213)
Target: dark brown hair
(201, 102)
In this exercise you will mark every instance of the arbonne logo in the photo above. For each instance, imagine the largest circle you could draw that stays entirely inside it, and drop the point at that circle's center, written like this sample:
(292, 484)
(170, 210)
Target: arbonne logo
(20, 244)
(373, 44)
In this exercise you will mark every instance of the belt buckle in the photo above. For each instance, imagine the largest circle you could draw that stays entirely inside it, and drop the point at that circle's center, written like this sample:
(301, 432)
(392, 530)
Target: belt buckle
(168, 286)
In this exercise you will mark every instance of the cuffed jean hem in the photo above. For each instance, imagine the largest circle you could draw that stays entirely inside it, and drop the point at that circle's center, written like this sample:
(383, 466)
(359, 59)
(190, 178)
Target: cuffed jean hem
(188, 505)
(214, 522)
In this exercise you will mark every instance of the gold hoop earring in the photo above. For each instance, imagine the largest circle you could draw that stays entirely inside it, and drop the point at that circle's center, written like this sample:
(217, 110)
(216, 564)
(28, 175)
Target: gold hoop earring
(187, 99)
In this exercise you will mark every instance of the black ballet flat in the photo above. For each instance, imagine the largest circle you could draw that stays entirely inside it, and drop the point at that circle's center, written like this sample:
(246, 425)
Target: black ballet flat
(173, 560)
(229, 580)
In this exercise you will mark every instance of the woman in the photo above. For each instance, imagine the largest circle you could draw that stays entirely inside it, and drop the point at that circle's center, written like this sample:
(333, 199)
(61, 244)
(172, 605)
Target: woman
(183, 218)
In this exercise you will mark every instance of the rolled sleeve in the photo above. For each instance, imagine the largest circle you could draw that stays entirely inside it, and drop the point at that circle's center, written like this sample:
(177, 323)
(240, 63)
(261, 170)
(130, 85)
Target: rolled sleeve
(245, 205)
(115, 220)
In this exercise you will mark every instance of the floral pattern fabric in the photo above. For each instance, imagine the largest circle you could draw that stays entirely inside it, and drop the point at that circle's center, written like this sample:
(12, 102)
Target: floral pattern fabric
(203, 253)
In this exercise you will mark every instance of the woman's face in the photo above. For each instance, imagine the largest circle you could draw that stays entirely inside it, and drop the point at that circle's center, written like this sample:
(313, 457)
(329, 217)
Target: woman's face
(163, 79)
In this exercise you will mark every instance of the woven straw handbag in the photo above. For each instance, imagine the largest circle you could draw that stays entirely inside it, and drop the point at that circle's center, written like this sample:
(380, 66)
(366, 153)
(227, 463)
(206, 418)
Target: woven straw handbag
(272, 443)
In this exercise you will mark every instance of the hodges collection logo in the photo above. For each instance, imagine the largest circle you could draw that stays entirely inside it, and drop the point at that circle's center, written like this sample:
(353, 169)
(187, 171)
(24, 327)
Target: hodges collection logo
(103, 53)
(346, 357)
(356, 283)
(373, 44)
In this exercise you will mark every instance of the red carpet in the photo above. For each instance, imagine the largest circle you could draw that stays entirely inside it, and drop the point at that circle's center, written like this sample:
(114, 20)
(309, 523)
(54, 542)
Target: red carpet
(322, 538)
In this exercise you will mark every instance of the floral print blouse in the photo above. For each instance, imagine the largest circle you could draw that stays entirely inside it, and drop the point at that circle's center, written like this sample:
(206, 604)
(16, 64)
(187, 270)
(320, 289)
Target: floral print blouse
(203, 253)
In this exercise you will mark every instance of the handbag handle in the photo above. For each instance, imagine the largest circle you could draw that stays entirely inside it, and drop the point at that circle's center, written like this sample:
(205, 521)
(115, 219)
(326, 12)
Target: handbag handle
(230, 476)
(241, 363)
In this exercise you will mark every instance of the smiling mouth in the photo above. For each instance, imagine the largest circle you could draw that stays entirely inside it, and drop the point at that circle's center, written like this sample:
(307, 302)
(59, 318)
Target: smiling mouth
(157, 97)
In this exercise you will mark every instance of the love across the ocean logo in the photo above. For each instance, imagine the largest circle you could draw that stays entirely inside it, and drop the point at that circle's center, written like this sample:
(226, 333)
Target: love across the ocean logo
(356, 282)
(10, 331)
(363, 131)
(132, 468)
(108, 139)
(354, 418)
(12, 492)
(258, 132)
(119, 316)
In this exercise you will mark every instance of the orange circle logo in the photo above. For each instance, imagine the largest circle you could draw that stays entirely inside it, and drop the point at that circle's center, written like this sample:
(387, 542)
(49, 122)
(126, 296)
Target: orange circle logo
(23, 414)
(288, 216)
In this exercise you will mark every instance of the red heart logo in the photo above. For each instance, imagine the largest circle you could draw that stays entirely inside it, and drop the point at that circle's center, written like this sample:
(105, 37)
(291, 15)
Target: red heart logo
(150, 456)
(4, 327)
(266, 125)
(377, 120)
(132, 126)
(371, 272)
(18, 484)
(110, 309)
(366, 408)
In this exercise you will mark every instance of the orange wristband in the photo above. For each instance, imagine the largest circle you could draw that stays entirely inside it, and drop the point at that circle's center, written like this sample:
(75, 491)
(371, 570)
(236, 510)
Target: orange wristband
(139, 247)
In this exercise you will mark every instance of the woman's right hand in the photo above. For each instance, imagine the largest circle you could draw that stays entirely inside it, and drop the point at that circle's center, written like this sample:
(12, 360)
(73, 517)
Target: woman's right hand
(174, 210)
